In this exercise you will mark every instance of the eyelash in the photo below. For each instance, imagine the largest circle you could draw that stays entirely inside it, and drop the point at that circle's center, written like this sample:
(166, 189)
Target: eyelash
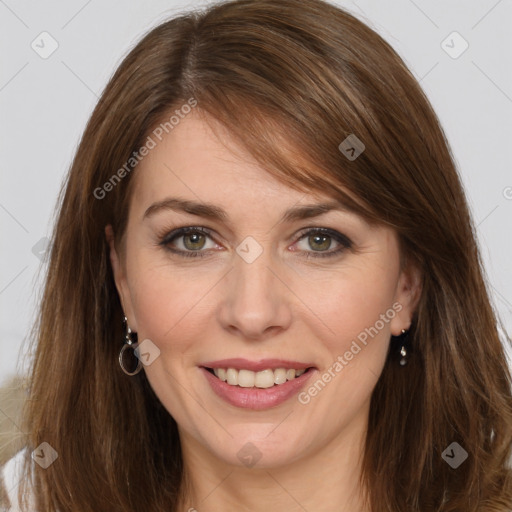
(343, 240)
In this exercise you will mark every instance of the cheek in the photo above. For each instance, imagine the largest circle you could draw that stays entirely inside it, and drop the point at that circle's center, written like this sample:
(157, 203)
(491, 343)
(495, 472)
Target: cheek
(165, 298)
(339, 306)
(170, 307)
(354, 304)
(355, 310)
(165, 302)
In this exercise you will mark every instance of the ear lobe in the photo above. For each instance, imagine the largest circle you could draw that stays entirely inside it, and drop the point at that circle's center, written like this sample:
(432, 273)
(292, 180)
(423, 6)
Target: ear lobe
(408, 293)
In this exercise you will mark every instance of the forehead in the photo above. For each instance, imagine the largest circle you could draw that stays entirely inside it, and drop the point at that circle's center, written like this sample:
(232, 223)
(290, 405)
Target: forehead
(199, 159)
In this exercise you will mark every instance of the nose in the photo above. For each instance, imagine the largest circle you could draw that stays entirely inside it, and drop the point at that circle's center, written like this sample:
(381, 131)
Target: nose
(256, 301)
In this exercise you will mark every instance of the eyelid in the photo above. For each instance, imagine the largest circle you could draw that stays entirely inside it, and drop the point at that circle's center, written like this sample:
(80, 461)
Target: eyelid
(340, 237)
(343, 241)
(169, 236)
(176, 233)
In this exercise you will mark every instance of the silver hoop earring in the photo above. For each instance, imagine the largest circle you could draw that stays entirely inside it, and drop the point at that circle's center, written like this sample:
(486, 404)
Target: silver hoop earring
(129, 344)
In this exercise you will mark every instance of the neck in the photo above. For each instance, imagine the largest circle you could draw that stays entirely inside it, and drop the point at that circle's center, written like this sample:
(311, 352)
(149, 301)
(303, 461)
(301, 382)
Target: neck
(325, 479)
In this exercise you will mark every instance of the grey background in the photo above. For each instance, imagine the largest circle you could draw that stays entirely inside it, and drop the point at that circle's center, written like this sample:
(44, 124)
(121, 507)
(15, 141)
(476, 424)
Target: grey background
(45, 103)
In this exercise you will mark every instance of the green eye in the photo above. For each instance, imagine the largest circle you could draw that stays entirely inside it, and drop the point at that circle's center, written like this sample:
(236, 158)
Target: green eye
(194, 240)
(322, 242)
(197, 241)
(321, 239)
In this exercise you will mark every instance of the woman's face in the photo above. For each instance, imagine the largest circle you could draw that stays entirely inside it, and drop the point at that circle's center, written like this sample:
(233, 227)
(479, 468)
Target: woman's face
(257, 285)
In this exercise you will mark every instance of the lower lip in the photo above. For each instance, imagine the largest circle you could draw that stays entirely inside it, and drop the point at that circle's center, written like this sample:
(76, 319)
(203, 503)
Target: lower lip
(257, 398)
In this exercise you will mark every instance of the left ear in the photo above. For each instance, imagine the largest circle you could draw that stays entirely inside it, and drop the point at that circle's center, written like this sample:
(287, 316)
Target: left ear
(119, 271)
(408, 293)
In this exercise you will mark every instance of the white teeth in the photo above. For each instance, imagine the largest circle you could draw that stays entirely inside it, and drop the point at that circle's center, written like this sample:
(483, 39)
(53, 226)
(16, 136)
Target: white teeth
(232, 376)
(221, 373)
(245, 378)
(279, 376)
(263, 379)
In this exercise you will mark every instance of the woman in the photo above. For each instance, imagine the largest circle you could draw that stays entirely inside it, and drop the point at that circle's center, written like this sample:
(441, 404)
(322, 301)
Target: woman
(264, 289)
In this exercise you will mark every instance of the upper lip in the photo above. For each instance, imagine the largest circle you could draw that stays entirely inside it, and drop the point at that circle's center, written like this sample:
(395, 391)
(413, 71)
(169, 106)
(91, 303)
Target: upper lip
(263, 364)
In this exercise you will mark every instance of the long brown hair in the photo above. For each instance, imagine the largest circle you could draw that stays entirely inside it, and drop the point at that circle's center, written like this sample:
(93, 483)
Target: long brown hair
(292, 80)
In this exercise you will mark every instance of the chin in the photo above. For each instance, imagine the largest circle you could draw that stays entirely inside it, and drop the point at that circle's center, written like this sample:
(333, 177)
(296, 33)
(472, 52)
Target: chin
(260, 445)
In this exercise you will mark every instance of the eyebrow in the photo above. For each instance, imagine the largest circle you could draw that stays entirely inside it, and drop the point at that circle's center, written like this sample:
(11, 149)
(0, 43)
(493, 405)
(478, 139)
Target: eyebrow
(214, 212)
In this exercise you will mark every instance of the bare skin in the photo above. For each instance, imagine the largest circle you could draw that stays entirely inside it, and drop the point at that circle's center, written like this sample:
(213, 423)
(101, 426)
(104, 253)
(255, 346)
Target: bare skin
(281, 305)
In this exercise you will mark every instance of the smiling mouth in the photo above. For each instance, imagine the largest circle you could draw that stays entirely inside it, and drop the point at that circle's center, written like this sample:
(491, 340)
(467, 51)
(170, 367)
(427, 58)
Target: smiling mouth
(263, 379)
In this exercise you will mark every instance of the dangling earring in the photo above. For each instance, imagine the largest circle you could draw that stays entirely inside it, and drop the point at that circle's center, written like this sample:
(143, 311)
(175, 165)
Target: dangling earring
(128, 343)
(403, 350)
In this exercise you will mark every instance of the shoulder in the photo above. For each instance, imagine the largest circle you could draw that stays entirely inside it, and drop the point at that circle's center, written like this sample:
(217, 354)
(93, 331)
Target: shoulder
(10, 478)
